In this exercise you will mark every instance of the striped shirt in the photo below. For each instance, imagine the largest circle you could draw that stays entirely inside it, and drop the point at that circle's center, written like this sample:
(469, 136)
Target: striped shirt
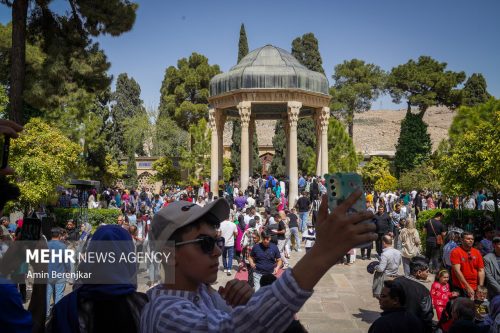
(271, 309)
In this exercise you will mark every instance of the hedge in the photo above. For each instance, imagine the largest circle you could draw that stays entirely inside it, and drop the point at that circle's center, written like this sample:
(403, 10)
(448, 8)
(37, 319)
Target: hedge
(466, 219)
(95, 216)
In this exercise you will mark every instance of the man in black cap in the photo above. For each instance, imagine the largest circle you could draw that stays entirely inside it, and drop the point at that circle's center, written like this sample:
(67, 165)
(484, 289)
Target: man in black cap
(188, 303)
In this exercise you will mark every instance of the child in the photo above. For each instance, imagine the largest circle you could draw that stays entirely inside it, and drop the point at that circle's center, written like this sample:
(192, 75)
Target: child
(440, 292)
(481, 304)
(309, 236)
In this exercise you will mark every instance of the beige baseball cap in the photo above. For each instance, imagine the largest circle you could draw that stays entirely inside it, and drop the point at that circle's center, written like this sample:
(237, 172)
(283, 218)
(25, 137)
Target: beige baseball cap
(182, 213)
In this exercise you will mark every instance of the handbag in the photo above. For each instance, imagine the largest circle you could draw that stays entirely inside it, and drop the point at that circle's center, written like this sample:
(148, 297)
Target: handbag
(439, 238)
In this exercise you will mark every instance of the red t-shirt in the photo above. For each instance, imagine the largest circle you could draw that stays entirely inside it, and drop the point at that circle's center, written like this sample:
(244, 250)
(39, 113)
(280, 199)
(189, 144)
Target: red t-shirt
(470, 263)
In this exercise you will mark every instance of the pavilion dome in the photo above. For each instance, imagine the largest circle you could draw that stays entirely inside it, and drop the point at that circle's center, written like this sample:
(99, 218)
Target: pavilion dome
(269, 67)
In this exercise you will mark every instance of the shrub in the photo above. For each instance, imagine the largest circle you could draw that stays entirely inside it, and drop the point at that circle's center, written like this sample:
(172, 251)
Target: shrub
(95, 216)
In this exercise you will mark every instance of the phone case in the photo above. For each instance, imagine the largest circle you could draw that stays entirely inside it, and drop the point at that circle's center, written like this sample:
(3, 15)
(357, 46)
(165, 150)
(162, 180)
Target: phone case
(339, 186)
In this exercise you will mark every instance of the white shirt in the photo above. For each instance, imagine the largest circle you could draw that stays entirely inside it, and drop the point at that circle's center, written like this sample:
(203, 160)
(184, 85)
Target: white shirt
(282, 185)
(227, 229)
(250, 202)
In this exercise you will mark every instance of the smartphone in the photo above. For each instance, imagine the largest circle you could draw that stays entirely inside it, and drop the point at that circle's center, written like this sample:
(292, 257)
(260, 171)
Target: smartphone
(4, 154)
(339, 187)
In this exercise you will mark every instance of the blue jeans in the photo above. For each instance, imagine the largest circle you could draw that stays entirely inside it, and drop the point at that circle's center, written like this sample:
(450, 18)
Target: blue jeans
(55, 290)
(303, 221)
(294, 232)
(227, 257)
(256, 280)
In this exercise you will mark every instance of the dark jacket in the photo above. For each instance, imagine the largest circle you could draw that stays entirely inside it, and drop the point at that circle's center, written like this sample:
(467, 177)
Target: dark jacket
(383, 223)
(396, 321)
(418, 301)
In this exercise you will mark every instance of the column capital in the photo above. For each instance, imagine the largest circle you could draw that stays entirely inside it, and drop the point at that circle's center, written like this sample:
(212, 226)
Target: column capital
(323, 115)
(212, 119)
(293, 112)
(245, 111)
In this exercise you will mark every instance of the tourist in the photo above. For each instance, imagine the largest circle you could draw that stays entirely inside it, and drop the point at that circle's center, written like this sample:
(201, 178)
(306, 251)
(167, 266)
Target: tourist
(486, 242)
(434, 232)
(303, 204)
(196, 261)
(113, 305)
(492, 269)
(480, 199)
(453, 237)
(293, 225)
(394, 318)
(384, 227)
(482, 305)
(229, 231)
(72, 232)
(240, 201)
(388, 266)
(309, 237)
(396, 221)
(462, 316)
(418, 299)
(488, 204)
(441, 292)
(410, 244)
(265, 258)
(56, 286)
(315, 208)
(467, 267)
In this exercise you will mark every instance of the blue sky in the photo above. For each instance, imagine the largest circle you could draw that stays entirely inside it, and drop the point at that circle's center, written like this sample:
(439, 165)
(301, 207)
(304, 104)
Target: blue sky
(465, 34)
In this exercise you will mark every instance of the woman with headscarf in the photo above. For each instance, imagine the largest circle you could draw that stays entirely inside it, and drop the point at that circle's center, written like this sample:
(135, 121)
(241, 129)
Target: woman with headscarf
(314, 189)
(240, 223)
(112, 304)
(283, 202)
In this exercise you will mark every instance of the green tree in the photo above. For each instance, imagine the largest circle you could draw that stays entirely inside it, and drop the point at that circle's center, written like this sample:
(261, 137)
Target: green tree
(169, 138)
(227, 169)
(386, 182)
(242, 43)
(185, 89)
(375, 169)
(166, 171)
(129, 116)
(197, 158)
(473, 161)
(342, 156)
(43, 159)
(474, 91)
(423, 176)
(424, 83)
(278, 164)
(306, 50)
(356, 86)
(131, 176)
(467, 118)
(86, 18)
(414, 144)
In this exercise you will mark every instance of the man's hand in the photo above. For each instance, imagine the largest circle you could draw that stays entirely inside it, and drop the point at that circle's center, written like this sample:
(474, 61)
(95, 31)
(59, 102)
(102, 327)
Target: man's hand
(338, 232)
(470, 291)
(236, 292)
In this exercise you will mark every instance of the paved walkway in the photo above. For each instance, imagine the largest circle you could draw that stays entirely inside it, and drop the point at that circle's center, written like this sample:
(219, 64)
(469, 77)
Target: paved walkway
(342, 301)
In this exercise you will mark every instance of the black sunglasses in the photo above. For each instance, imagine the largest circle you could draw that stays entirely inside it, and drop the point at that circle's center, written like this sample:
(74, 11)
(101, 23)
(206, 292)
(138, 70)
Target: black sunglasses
(207, 243)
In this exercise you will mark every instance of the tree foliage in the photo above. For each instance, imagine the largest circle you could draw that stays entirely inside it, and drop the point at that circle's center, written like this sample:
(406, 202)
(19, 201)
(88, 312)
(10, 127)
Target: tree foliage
(474, 91)
(169, 138)
(4, 100)
(467, 118)
(64, 37)
(306, 141)
(423, 176)
(227, 169)
(242, 43)
(197, 158)
(43, 159)
(278, 164)
(375, 169)
(306, 50)
(472, 161)
(356, 86)
(166, 171)
(424, 83)
(386, 182)
(342, 156)
(185, 89)
(414, 144)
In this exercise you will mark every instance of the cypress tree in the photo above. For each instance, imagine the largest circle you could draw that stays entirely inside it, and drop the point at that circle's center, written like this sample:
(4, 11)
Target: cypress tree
(474, 91)
(243, 43)
(414, 144)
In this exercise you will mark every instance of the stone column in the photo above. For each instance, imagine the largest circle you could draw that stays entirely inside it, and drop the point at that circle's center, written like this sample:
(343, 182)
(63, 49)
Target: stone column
(214, 151)
(286, 126)
(220, 131)
(293, 118)
(324, 117)
(317, 124)
(251, 131)
(245, 111)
